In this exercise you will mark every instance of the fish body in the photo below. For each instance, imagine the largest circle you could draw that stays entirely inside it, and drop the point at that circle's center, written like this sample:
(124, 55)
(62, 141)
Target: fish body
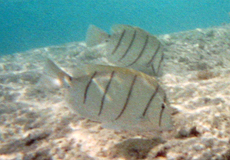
(129, 46)
(119, 98)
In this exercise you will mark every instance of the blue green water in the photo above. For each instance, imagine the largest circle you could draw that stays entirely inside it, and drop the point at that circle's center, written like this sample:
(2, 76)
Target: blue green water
(27, 24)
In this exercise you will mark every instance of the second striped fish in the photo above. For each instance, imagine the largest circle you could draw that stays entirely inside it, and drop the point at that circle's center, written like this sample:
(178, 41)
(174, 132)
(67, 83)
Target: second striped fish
(129, 46)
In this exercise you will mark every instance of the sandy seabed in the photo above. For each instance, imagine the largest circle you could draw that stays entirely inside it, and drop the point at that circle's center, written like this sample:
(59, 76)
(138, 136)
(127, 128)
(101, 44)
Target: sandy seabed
(35, 123)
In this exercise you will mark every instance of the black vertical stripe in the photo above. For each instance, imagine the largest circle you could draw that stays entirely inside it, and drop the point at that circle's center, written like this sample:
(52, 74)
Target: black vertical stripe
(161, 113)
(130, 45)
(151, 60)
(154, 72)
(106, 90)
(150, 100)
(119, 42)
(87, 87)
(127, 99)
(142, 51)
(159, 65)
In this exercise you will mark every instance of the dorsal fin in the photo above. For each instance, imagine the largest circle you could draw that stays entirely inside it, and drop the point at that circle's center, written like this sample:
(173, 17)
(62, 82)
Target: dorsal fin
(120, 27)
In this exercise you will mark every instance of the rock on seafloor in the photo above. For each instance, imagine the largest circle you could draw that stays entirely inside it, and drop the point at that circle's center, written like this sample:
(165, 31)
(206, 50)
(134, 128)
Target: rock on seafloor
(37, 124)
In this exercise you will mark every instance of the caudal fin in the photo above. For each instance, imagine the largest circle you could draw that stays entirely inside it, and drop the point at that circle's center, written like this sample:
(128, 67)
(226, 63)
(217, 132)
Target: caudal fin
(95, 36)
(53, 76)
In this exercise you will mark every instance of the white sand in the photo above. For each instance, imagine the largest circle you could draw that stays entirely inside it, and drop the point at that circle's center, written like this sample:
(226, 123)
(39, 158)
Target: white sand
(35, 123)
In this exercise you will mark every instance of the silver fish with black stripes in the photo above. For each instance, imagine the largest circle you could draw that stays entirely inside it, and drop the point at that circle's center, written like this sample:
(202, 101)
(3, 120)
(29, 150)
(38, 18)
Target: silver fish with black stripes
(119, 98)
(129, 46)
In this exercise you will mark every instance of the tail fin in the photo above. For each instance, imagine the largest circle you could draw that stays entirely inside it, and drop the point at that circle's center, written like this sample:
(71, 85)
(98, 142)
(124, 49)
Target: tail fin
(53, 76)
(95, 36)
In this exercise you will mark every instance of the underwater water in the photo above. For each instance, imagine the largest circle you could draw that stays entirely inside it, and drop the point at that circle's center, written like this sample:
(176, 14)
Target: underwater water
(27, 24)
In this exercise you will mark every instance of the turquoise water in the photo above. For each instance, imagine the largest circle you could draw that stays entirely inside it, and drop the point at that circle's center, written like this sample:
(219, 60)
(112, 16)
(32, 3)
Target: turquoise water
(27, 24)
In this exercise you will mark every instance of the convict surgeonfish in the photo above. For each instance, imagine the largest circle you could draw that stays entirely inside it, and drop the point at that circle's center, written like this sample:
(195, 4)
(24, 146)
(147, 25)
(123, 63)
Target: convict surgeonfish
(129, 46)
(119, 98)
